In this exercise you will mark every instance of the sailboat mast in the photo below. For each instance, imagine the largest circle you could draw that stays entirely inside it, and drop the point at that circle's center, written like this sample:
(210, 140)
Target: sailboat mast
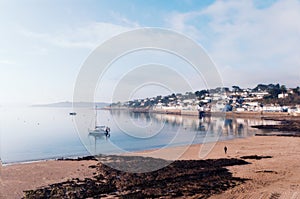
(96, 116)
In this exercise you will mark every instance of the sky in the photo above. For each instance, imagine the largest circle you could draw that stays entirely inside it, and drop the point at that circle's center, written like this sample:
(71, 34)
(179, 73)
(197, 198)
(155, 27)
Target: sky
(43, 44)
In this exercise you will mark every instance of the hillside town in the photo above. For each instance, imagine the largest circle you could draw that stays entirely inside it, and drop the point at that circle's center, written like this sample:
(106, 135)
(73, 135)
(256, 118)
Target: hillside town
(263, 98)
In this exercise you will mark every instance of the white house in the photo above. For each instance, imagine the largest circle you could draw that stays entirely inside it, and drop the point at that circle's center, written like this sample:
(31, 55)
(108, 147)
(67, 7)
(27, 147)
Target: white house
(259, 95)
(282, 95)
(272, 108)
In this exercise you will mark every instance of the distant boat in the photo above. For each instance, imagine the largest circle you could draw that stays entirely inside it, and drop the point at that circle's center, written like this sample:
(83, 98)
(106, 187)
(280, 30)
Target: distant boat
(99, 129)
(72, 113)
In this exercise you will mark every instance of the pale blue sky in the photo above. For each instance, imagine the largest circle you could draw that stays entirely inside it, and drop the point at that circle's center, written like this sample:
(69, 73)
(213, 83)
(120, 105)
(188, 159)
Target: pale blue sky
(44, 43)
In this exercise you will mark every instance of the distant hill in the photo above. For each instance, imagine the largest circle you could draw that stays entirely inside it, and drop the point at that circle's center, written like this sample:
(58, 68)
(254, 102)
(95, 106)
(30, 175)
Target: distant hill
(70, 104)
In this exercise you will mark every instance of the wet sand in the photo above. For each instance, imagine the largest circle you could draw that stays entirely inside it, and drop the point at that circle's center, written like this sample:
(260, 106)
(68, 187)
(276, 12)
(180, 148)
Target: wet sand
(19, 177)
(276, 177)
(290, 127)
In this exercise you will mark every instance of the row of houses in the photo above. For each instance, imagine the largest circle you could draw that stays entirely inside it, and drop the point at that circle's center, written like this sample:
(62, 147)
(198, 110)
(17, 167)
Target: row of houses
(246, 100)
(224, 107)
(225, 103)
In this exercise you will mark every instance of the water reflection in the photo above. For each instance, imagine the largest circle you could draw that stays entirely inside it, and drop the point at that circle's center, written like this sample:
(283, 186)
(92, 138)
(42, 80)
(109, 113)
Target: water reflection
(226, 127)
(43, 133)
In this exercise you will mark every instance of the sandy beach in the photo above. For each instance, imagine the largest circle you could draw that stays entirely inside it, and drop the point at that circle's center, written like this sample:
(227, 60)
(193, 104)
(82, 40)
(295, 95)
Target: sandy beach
(19, 177)
(276, 177)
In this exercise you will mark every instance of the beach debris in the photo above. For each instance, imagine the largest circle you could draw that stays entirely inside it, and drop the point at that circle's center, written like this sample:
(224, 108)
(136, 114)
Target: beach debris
(255, 157)
(78, 158)
(265, 171)
(275, 195)
(182, 178)
(284, 126)
(283, 134)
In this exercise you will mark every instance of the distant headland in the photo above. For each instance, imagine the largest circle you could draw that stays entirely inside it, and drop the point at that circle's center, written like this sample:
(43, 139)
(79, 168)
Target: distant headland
(73, 104)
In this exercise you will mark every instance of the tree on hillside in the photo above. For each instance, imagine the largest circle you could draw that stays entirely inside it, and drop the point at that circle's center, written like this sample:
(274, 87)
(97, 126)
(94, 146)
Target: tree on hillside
(236, 89)
(283, 89)
(273, 93)
(201, 93)
(268, 88)
(260, 87)
(296, 90)
(225, 89)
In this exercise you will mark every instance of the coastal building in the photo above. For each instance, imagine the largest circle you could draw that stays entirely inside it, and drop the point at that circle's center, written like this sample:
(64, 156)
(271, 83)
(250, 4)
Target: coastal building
(258, 95)
(272, 108)
(241, 109)
(282, 95)
(294, 110)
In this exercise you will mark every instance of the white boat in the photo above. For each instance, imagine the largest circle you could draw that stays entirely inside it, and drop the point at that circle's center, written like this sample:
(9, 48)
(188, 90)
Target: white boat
(99, 130)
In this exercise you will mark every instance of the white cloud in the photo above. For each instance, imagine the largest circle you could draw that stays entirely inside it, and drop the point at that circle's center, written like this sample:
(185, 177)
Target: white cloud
(249, 45)
(87, 36)
(7, 62)
(124, 21)
(178, 22)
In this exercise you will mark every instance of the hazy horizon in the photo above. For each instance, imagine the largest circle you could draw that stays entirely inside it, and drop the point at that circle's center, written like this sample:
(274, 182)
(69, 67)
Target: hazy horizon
(108, 102)
(250, 42)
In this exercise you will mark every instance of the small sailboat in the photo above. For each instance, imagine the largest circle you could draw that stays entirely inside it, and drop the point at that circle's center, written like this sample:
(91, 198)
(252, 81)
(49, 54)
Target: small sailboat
(99, 130)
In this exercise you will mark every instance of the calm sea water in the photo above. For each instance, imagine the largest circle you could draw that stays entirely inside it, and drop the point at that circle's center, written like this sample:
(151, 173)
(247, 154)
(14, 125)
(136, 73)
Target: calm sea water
(29, 134)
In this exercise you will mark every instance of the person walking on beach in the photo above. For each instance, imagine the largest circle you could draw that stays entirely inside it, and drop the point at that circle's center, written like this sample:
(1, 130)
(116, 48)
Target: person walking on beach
(225, 150)
(107, 130)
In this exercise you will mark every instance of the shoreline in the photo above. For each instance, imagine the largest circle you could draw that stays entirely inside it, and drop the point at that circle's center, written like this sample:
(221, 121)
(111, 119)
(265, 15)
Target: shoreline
(238, 114)
(269, 130)
(265, 175)
(77, 158)
(90, 157)
(68, 158)
(213, 153)
(74, 157)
